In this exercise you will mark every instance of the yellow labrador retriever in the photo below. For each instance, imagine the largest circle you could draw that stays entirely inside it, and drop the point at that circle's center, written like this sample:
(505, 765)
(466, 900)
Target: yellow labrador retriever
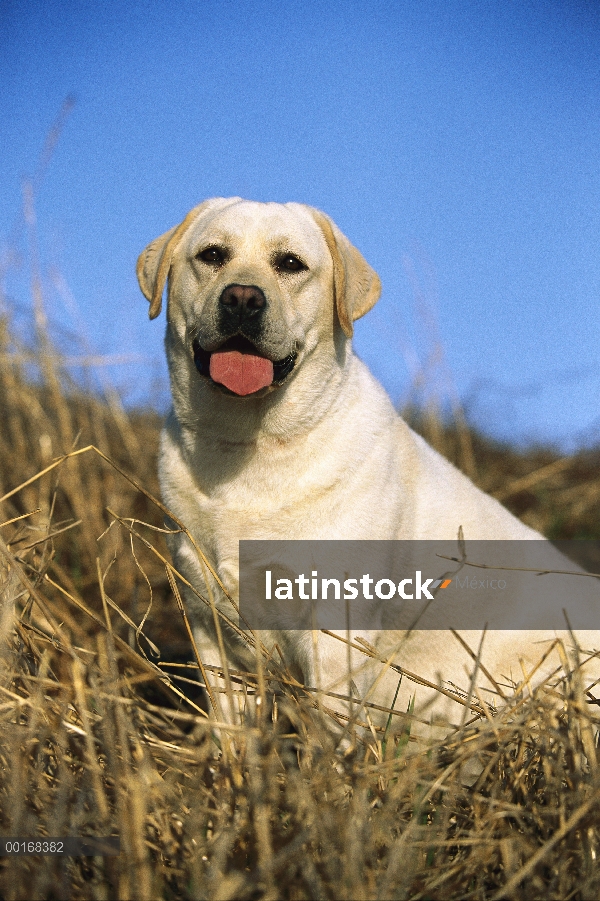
(278, 431)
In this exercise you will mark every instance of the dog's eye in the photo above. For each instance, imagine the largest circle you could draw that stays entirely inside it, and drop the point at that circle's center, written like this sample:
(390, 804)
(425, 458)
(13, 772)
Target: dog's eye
(212, 255)
(288, 262)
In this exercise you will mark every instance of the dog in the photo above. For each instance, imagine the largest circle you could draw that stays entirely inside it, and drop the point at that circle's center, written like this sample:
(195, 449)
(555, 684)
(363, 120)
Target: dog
(279, 431)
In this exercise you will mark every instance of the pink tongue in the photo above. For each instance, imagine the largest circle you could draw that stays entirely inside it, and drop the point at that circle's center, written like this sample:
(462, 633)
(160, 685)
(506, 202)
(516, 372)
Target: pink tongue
(241, 373)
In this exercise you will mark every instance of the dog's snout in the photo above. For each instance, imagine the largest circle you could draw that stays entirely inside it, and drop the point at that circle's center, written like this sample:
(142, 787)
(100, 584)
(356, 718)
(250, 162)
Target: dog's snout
(245, 299)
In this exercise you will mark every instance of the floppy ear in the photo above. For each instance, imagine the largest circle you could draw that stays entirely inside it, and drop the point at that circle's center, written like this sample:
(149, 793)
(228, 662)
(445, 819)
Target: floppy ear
(154, 262)
(356, 286)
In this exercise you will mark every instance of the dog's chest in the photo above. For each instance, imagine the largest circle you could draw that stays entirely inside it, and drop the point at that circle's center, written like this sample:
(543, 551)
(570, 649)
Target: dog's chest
(308, 492)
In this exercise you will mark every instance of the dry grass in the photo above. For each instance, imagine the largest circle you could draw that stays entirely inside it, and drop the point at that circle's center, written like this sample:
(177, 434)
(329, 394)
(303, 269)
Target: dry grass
(104, 729)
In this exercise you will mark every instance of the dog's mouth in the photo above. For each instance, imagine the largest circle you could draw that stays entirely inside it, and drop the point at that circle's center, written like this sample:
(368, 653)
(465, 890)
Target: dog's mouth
(238, 366)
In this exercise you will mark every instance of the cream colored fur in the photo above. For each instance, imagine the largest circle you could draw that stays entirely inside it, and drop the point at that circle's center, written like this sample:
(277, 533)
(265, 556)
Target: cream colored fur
(322, 456)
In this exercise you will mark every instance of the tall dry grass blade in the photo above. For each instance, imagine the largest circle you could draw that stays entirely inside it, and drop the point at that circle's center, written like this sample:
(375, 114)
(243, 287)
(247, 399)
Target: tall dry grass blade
(513, 883)
(214, 701)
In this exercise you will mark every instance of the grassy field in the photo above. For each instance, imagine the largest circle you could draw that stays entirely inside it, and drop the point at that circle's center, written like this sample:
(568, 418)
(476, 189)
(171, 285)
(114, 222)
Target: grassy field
(105, 730)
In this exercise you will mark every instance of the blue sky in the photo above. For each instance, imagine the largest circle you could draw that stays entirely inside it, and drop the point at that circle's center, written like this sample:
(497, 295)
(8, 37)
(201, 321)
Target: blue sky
(457, 144)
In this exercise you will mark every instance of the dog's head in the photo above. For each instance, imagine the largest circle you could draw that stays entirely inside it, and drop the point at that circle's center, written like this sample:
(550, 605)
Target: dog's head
(254, 289)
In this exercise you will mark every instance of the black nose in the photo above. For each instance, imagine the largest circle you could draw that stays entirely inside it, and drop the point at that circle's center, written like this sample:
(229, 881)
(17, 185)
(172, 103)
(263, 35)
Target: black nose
(242, 301)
